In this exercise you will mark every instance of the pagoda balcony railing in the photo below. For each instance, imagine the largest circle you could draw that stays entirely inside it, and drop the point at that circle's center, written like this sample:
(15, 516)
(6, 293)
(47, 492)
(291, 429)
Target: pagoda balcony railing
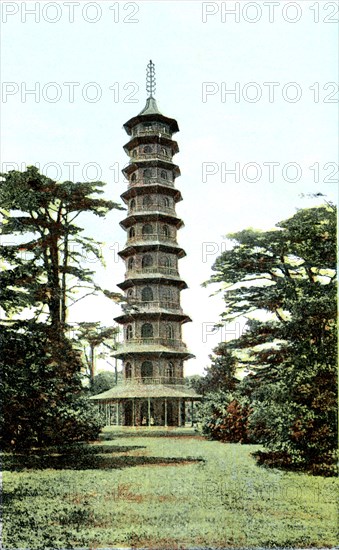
(166, 380)
(153, 269)
(151, 237)
(152, 208)
(151, 180)
(151, 131)
(155, 155)
(168, 342)
(156, 304)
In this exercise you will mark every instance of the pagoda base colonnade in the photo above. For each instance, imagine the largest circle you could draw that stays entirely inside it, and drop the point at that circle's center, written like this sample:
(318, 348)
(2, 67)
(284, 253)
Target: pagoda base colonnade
(148, 411)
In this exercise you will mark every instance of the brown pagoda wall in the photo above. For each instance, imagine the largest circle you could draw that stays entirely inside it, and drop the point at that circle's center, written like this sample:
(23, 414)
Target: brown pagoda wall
(159, 367)
(159, 329)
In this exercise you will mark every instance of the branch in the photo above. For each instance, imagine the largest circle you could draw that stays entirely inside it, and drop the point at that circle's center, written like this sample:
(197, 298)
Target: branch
(85, 296)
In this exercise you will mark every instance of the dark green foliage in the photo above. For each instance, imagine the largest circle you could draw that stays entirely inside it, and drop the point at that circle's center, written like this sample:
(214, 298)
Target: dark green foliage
(220, 375)
(288, 274)
(43, 401)
(43, 249)
(225, 417)
(43, 254)
(103, 381)
(224, 413)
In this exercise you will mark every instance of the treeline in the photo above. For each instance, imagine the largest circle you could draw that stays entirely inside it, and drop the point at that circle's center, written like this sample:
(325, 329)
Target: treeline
(43, 272)
(284, 282)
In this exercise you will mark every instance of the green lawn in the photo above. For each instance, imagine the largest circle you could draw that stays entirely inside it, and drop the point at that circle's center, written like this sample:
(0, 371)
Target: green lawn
(137, 488)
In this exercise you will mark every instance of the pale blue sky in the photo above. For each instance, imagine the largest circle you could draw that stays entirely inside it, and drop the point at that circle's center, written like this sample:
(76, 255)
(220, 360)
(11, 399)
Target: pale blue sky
(187, 53)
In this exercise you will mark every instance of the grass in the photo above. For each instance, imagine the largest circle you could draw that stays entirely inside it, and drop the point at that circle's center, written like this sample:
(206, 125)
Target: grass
(137, 488)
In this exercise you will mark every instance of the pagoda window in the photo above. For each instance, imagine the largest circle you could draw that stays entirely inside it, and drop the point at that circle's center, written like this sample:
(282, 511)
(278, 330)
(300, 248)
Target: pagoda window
(133, 177)
(169, 332)
(147, 330)
(132, 204)
(163, 174)
(147, 369)
(147, 173)
(165, 230)
(166, 202)
(134, 152)
(167, 295)
(130, 293)
(147, 229)
(147, 149)
(164, 151)
(130, 263)
(147, 201)
(166, 261)
(131, 232)
(128, 370)
(129, 332)
(147, 294)
(170, 370)
(147, 261)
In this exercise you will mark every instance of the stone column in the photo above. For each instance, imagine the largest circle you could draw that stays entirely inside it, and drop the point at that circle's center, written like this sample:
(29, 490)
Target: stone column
(117, 412)
(149, 411)
(166, 412)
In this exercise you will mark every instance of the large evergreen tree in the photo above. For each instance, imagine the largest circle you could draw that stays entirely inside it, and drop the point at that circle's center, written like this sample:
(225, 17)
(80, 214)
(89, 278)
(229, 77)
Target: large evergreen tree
(43, 250)
(284, 280)
(41, 253)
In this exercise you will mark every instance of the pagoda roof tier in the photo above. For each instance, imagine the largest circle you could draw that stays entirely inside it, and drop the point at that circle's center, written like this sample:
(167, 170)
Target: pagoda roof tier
(151, 113)
(135, 164)
(148, 215)
(142, 391)
(139, 348)
(147, 246)
(156, 278)
(159, 313)
(141, 140)
(154, 188)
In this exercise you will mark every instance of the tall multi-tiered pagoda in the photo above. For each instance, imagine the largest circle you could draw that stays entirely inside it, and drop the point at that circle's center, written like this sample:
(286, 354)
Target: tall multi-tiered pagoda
(153, 390)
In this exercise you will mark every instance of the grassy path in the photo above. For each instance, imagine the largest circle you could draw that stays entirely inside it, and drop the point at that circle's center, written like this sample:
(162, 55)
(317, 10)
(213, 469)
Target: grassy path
(138, 489)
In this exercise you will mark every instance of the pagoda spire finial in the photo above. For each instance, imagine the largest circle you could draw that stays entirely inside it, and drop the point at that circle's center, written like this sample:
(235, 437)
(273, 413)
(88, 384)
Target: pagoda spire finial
(150, 79)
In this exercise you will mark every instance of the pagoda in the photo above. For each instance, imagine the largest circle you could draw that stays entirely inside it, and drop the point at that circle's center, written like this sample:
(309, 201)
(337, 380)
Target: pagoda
(153, 390)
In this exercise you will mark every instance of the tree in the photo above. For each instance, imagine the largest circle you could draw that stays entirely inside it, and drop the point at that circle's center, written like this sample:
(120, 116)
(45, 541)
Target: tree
(224, 413)
(221, 374)
(284, 281)
(44, 257)
(93, 335)
(42, 395)
(43, 400)
(103, 381)
(224, 417)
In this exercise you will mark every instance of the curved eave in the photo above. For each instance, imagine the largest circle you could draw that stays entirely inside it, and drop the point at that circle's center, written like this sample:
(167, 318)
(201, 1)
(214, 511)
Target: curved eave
(142, 391)
(151, 216)
(152, 278)
(155, 117)
(141, 140)
(170, 315)
(154, 163)
(151, 245)
(127, 351)
(137, 190)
